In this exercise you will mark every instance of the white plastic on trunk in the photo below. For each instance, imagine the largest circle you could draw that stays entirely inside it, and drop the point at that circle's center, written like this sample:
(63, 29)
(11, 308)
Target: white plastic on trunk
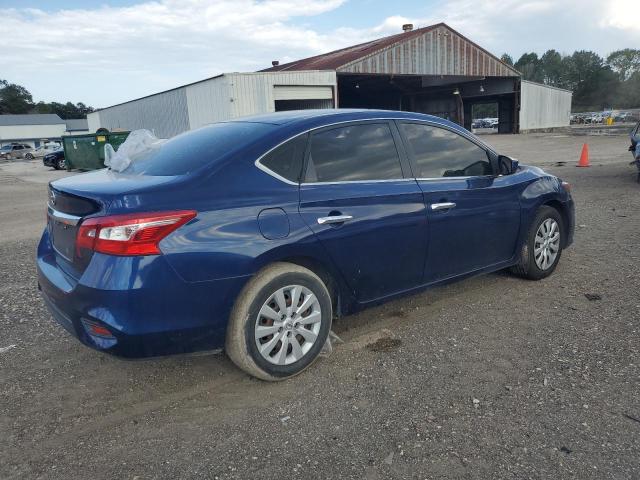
(138, 142)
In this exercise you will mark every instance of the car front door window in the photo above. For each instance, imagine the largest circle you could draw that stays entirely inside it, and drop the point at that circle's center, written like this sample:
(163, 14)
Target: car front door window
(474, 216)
(438, 153)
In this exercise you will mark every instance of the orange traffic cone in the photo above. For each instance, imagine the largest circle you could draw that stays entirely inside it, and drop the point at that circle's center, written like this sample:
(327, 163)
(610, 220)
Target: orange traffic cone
(584, 156)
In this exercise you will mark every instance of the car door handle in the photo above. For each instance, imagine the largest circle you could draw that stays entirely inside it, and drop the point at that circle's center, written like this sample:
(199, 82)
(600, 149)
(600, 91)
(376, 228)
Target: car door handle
(442, 206)
(334, 219)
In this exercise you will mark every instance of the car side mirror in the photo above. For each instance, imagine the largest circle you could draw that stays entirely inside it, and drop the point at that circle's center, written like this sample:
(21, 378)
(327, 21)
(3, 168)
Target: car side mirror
(507, 165)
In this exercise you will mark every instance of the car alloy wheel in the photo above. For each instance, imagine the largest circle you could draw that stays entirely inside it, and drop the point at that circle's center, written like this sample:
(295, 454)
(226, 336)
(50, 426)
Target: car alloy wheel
(547, 243)
(541, 252)
(28, 156)
(288, 324)
(61, 164)
(280, 322)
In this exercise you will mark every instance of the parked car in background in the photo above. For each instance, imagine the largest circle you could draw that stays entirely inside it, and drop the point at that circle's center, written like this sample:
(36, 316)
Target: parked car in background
(55, 159)
(42, 150)
(253, 234)
(484, 123)
(15, 150)
(623, 117)
(595, 118)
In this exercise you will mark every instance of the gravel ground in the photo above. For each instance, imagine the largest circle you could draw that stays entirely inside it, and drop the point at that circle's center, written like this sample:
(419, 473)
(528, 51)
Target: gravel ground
(492, 377)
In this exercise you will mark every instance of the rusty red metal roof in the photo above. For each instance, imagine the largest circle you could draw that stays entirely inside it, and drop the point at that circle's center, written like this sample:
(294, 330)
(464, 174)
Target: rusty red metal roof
(339, 58)
(336, 59)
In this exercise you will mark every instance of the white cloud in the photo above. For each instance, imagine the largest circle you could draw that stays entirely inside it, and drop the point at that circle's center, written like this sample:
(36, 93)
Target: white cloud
(110, 54)
(130, 51)
(622, 14)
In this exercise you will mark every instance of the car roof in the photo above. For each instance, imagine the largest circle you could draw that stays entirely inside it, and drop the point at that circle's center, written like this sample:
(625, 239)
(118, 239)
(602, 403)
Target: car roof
(320, 117)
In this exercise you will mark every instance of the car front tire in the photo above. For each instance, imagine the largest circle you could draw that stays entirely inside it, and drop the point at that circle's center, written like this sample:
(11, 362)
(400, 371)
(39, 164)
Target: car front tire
(279, 323)
(542, 252)
(61, 164)
(29, 156)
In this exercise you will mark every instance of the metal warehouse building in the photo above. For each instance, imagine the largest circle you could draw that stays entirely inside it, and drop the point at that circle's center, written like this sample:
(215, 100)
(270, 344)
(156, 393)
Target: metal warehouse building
(433, 70)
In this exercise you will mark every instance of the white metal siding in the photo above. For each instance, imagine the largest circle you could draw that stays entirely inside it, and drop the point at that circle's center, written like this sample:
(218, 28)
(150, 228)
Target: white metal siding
(235, 95)
(208, 101)
(165, 114)
(17, 133)
(216, 99)
(254, 93)
(543, 107)
(440, 51)
(93, 121)
(289, 92)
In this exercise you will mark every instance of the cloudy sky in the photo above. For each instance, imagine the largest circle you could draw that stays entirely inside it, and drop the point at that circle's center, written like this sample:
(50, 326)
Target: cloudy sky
(105, 52)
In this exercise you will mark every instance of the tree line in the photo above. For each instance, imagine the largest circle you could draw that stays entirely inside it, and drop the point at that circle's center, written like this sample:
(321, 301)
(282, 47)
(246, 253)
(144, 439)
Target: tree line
(597, 83)
(16, 99)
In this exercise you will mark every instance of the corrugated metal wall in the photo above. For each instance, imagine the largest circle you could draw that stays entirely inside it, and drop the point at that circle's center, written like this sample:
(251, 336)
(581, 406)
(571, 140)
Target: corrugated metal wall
(254, 92)
(220, 98)
(543, 107)
(209, 101)
(438, 52)
(235, 95)
(93, 121)
(165, 114)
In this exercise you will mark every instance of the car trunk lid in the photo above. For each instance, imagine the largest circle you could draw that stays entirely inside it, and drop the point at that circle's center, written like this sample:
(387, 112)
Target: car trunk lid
(72, 199)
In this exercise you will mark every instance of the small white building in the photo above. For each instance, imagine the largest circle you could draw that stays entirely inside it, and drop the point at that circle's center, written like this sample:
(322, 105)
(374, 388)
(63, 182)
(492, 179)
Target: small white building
(38, 128)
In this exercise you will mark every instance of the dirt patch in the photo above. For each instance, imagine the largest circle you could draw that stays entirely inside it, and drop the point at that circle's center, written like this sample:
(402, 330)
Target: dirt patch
(384, 345)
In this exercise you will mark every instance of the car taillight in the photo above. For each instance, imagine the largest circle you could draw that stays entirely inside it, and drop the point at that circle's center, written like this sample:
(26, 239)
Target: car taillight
(130, 234)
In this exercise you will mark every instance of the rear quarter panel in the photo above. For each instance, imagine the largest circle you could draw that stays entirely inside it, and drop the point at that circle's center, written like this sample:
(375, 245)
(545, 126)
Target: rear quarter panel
(226, 239)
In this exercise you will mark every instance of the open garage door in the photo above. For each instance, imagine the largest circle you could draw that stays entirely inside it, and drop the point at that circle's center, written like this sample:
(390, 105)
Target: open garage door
(302, 97)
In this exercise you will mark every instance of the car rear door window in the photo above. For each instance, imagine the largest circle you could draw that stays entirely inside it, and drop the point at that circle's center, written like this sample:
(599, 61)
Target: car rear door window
(353, 153)
(438, 152)
(286, 159)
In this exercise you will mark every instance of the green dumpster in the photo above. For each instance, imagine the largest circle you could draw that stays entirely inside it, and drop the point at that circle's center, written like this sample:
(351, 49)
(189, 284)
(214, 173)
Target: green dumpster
(86, 152)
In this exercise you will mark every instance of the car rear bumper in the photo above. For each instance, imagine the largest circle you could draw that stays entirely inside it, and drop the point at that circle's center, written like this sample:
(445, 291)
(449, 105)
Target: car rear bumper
(136, 307)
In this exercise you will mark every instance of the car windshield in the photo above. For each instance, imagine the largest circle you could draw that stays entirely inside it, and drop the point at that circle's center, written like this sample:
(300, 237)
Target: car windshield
(190, 151)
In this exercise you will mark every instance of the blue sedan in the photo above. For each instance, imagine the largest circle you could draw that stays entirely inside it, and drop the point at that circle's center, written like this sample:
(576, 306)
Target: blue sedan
(252, 235)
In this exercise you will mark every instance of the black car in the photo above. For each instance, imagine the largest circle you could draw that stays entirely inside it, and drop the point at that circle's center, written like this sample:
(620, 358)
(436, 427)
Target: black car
(55, 160)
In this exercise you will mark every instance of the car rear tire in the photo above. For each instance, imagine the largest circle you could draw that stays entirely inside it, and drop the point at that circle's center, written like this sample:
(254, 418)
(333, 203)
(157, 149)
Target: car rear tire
(279, 323)
(542, 252)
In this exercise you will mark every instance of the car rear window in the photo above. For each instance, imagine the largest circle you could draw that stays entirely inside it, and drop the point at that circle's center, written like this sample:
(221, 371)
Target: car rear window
(188, 152)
